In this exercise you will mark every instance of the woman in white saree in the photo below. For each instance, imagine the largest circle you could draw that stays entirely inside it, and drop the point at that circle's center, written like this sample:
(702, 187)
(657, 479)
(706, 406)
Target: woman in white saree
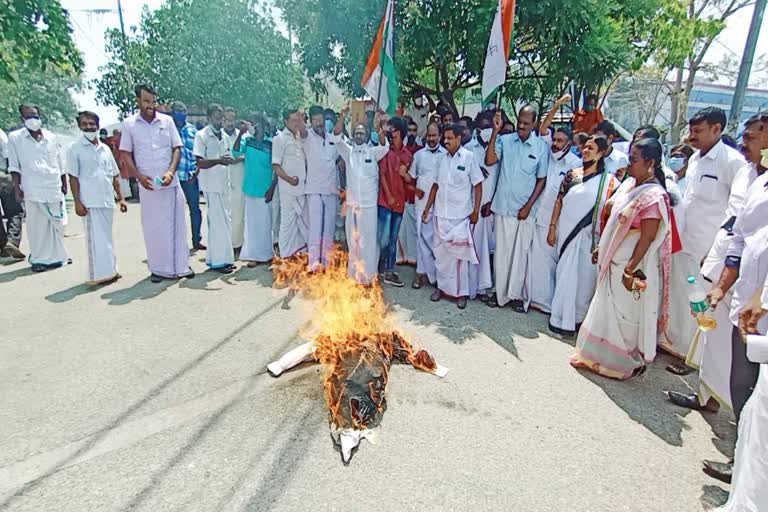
(631, 304)
(575, 230)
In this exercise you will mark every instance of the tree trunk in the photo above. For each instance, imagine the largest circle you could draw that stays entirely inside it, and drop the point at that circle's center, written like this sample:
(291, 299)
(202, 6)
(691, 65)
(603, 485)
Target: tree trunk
(674, 129)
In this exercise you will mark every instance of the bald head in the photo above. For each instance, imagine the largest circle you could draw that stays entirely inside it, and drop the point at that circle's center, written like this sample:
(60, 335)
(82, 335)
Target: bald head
(526, 121)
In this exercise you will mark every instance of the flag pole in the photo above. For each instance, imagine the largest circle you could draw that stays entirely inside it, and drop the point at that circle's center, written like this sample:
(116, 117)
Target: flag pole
(383, 50)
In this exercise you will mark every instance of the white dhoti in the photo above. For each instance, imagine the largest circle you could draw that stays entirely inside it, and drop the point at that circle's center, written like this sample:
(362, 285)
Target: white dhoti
(322, 228)
(749, 488)
(710, 353)
(575, 282)
(102, 265)
(257, 243)
(682, 326)
(407, 241)
(480, 280)
(454, 253)
(45, 232)
(276, 215)
(163, 220)
(293, 225)
(425, 254)
(514, 239)
(219, 253)
(237, 209)
(543, 268)
(361, 227)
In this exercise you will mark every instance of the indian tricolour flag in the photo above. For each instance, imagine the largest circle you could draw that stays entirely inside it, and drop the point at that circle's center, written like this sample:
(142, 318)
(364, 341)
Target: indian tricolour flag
(379, 79)
(497, 55)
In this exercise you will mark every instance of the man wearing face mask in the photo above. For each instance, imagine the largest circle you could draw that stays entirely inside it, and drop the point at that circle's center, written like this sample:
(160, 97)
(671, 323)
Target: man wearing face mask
(93, 176)
(38, 175)
(523, 161)
(544, 256)
(678, 163)
(361, 196)
(212, 151)
(407, 242)
(587, 119)
(424, 172)
(322, 153)
(480, 275)
(187, 171)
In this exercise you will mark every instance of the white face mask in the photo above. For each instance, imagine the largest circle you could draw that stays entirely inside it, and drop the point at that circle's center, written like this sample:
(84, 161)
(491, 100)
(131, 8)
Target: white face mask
(486, 133)
(33, 124)
(91, 136)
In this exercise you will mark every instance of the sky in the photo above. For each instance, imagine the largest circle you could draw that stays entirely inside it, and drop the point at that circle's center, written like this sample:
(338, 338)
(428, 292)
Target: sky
(90, 18)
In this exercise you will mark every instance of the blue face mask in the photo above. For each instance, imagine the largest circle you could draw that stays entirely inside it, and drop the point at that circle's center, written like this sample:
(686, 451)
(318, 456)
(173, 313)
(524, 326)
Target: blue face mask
(575, 151)
(179, 117)
(676, 163)
(328, 125)
(375, 137)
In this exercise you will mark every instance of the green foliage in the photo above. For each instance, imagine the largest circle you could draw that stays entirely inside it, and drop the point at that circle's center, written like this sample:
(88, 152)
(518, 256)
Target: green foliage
(440, 44)
(36, 35)
(200, 52)
(49, 90)
(678, 35)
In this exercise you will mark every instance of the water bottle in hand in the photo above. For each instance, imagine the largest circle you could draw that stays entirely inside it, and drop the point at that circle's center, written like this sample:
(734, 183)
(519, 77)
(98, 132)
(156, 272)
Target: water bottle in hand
(699, 302)
(158, 181)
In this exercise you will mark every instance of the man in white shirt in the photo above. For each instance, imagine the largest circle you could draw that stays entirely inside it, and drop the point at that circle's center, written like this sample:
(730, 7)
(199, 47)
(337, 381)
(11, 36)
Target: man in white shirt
(544, 257)
(321, 153)
(711, 172)
(34, 161)
(616, 162)
(150, 148)
(361, 196)
(236, 172)
(456, 196)
(419, 112)
(212, 151)
(290, 166)
(10, 209)
(711, 351)
(424, 171)
(93, 176)
(480, 276)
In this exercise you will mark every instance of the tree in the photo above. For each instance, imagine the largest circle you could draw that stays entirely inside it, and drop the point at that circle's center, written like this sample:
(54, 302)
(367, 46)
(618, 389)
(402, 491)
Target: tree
(682, 36)
(639, 98)
(440, 44)
(36, 35)
(48, 89)
(201, 52)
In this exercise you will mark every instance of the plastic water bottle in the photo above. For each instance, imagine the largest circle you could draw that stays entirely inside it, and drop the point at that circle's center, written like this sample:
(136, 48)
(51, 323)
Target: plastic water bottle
(158, 181)
(699, 302)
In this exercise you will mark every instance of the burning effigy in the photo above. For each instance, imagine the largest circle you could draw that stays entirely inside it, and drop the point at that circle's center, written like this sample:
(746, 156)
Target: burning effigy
(354, 337)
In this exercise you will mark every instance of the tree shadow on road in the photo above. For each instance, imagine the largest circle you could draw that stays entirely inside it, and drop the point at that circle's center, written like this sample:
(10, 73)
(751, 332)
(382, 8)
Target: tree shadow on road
(142, 290)
(502, 325)
(644, 400)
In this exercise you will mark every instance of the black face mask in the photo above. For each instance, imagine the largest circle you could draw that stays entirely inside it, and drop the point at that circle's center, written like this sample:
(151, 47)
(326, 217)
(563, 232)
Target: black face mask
(411, 139)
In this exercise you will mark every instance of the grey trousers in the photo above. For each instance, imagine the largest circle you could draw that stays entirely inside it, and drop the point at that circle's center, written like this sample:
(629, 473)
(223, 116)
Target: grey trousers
(744, 374)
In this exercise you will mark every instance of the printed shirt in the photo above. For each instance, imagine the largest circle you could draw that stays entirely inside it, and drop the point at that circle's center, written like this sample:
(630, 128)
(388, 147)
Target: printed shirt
(257, 177)
(389, 171)
(709, 178)
(362, 171)
(457, 174)
(288, 153)
(38, 163)
(321, 153)
(187, 162)
(209, 147)
(95, 168)
(152, 144)
(521, 164)
(424, 171)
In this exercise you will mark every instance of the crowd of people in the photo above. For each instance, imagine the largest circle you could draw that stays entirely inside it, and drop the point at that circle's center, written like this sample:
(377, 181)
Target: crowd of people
(608, 243)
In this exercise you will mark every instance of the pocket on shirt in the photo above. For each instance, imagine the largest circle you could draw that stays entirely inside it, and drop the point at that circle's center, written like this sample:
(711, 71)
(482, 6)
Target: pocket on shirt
(529, 165)
(709, 187)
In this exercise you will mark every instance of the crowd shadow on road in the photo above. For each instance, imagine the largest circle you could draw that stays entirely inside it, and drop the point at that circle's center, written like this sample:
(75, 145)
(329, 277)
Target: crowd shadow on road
(7, 277)
(644, 400)
(71, 293)
(713, 496)
(139, 404)
(502, 325)
(141, 290)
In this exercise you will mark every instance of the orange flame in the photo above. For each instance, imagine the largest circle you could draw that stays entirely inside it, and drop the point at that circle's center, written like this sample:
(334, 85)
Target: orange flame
(352, 328)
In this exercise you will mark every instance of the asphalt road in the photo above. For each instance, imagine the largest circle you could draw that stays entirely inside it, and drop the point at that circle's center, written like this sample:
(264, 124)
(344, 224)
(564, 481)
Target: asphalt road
(154, 397)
